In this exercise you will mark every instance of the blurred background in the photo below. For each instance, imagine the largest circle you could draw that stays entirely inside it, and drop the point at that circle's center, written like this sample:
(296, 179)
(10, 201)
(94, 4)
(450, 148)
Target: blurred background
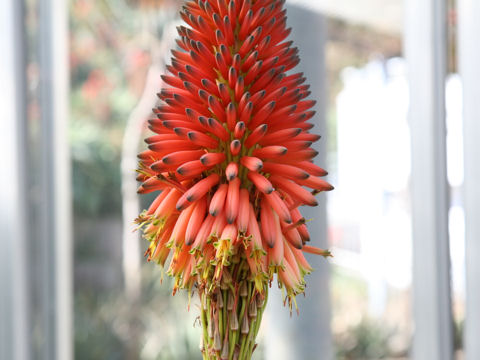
(81, 78)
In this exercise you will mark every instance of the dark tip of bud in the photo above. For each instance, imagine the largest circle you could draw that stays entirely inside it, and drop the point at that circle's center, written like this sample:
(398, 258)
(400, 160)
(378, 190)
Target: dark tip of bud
(191, 135)
(189, 111)
(194, 55)
(302, 117)
(270, 190)
(203, 120)
(165, 160)
(213, 213)
(181, 172)
(297, 246)
(177, 131)
(284, 151)
(190, 198)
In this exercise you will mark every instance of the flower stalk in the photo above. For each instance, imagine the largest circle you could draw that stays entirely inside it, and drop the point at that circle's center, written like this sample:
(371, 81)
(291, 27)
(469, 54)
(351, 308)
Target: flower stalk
(231, 316)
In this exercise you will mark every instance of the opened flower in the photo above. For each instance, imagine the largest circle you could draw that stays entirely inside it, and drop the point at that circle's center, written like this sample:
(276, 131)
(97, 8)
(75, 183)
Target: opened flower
(232, 160)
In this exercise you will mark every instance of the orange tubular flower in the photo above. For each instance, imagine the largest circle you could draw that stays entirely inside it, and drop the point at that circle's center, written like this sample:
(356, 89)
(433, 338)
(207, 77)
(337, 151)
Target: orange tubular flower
(232, 159)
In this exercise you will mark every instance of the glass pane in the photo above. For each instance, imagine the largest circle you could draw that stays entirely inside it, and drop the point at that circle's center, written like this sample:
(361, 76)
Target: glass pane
(369, 158)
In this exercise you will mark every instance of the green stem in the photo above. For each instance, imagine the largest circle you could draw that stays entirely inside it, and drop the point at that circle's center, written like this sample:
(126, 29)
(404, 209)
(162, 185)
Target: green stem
(238, 344)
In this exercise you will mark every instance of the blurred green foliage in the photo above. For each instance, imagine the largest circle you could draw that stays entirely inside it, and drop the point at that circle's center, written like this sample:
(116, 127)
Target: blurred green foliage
(109, 59)
(368, 340)
(100, 102)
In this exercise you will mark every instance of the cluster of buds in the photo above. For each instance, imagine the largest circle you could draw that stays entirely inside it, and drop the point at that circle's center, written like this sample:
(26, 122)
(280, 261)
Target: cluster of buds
(232, 159)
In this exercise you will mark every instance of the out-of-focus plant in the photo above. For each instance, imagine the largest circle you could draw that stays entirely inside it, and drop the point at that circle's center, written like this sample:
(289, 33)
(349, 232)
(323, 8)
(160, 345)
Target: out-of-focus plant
(109, 59)
(368, 340)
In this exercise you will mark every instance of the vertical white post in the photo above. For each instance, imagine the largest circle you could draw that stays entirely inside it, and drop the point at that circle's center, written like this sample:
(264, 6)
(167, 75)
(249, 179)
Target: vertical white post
(425, 50)
(469, 63)
(14, 306)
(54, 233)
(307, 335)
